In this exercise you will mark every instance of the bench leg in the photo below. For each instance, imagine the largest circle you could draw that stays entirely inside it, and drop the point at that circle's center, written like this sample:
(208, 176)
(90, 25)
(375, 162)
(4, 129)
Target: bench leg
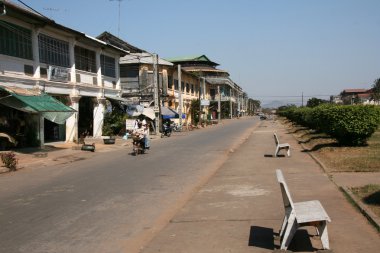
(288, 151)
(322, 229)
(284, 222)
(291, 229)
(277, 150)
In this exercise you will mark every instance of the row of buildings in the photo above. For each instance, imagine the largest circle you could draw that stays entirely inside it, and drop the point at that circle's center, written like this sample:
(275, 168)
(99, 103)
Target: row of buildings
(57, 83)
(356, 96)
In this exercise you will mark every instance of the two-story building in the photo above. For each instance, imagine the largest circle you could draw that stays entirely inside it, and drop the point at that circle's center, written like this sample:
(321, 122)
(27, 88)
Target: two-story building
(219, 86)
(136, 72)
(39, 56)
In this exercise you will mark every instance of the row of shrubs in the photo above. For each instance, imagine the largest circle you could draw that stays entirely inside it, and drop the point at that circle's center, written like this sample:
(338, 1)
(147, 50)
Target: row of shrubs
(349, 124)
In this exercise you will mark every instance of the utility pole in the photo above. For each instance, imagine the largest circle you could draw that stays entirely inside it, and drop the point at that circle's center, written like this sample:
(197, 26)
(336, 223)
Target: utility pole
(179, 94)
(155, 92)
(219, 103)
(204, 93)
(200, 104)
(302, 99)
(231, 103)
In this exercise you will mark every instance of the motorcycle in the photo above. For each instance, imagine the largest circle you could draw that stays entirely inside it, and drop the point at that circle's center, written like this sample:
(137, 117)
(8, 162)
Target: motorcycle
(167, 131)
(177, 128)
(138, 145)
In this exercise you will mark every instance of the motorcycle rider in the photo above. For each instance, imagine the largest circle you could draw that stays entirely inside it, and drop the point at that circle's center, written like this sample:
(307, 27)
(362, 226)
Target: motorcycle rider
(140, 132)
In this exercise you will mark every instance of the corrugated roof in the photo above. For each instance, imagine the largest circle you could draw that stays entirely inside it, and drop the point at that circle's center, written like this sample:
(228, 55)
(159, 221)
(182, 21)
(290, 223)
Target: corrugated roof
(203, 68)
(142, 58)
(355, 90)
(198, 58)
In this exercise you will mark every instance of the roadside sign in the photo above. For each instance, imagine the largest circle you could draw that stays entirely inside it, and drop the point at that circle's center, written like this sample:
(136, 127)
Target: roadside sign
(130, 124)
(205, 102)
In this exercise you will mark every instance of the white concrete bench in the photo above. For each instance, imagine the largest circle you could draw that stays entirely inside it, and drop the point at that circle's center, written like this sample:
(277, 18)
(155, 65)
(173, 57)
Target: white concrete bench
(308, 213)
(280, 146)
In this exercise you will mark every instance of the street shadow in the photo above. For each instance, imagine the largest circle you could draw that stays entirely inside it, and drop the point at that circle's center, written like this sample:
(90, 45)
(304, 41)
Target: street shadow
(266, 238)
(46, 149)
(269, 155)
(261, 237)
(301, 242)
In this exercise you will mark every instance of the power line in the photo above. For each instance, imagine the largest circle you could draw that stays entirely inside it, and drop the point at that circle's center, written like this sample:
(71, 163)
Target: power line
(292, 96)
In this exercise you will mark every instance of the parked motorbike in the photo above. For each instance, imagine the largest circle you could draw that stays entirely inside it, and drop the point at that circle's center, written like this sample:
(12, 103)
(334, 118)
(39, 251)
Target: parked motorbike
(177, 128)
(167, 131)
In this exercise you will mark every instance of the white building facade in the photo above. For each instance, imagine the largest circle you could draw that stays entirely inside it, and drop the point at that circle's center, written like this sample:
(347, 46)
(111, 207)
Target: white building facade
(81, 71)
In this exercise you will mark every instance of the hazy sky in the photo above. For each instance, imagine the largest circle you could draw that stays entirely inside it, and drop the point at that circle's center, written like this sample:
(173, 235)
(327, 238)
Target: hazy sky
(270, 47)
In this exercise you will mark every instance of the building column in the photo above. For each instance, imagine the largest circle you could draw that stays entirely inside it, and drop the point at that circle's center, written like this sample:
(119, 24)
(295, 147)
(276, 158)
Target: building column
(230, 103)
(99, 111)
(72, 122)
(73, 77)
(98, 68)
(117, 76)
(36, 53)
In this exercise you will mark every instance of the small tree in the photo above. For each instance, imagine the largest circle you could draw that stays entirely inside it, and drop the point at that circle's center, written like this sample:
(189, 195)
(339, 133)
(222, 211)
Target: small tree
(313, 102)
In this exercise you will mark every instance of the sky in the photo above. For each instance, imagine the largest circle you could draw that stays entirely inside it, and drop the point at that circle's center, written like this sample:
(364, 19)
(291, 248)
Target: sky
(273, 49)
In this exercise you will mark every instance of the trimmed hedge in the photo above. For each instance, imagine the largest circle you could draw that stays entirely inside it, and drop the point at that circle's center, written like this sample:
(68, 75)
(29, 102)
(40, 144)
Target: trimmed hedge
(349, 124)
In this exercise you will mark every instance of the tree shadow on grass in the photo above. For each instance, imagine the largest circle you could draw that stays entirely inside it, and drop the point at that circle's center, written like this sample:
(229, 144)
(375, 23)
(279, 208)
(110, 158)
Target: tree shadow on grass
(320, 146)
(373, 199)
(314, 138)
(296, 130)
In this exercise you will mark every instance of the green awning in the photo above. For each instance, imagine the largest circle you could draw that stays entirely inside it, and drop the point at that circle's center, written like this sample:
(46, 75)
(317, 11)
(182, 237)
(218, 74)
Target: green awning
(49, 107)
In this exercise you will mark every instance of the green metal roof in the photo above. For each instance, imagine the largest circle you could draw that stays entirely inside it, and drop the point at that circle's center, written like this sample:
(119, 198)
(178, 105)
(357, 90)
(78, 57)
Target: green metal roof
(49, 107)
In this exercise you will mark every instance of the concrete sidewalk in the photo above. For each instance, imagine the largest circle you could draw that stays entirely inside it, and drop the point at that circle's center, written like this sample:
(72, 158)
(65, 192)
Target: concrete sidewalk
(61, 152)
(240, 209)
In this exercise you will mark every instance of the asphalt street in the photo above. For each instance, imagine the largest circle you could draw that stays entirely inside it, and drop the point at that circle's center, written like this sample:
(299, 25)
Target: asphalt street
(112, 201)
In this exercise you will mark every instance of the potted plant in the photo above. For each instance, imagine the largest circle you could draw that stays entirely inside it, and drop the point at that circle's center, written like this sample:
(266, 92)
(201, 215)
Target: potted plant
(108, 135)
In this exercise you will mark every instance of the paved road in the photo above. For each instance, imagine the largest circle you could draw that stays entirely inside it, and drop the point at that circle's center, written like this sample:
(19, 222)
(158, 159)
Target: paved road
(113, 202)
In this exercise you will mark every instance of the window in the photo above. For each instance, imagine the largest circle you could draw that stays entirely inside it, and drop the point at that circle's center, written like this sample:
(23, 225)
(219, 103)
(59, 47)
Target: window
(129, 70)
(15, 41)
(85, 59)
(53, 51)
(192, 89)
(176, 87)
(170, 82)
(28, 70)
(108, 65)
(187, 88)
(182, 86)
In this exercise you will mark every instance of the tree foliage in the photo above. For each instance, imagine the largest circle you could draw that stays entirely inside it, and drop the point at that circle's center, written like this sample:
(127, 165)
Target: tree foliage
(376, 90)
(313, 102)
(349, 124)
